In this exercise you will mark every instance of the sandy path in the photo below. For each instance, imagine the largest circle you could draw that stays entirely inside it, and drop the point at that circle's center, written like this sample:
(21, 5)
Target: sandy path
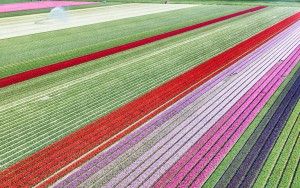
(31, 24)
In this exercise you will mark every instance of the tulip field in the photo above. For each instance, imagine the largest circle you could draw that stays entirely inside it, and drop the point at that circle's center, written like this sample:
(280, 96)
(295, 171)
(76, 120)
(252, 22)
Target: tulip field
(150, 95)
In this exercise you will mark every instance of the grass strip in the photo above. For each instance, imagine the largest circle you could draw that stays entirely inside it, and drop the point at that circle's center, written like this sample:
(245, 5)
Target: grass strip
(278, 157)
(7, 81)
(296, 178)
(289, 171)
(51, 47)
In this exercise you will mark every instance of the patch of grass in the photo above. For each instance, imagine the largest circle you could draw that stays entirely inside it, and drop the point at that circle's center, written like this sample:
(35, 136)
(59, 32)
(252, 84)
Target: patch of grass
(296, 178)
(276, 162)
(287, 176)
(27, 52)
(12, 1)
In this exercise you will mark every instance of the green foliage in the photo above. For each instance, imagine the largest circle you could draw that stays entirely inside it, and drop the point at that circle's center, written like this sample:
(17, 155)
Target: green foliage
(41, 111)
(277, 161)
(27, 52)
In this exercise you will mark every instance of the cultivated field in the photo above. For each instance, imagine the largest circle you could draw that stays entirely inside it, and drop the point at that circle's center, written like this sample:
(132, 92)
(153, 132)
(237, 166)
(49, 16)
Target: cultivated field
(38, 23)
(151, 95)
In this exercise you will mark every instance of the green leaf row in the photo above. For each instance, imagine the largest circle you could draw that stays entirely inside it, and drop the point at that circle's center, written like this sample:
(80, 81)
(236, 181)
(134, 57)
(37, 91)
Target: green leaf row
(38, 112)
(23, 53)
(223, 166)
